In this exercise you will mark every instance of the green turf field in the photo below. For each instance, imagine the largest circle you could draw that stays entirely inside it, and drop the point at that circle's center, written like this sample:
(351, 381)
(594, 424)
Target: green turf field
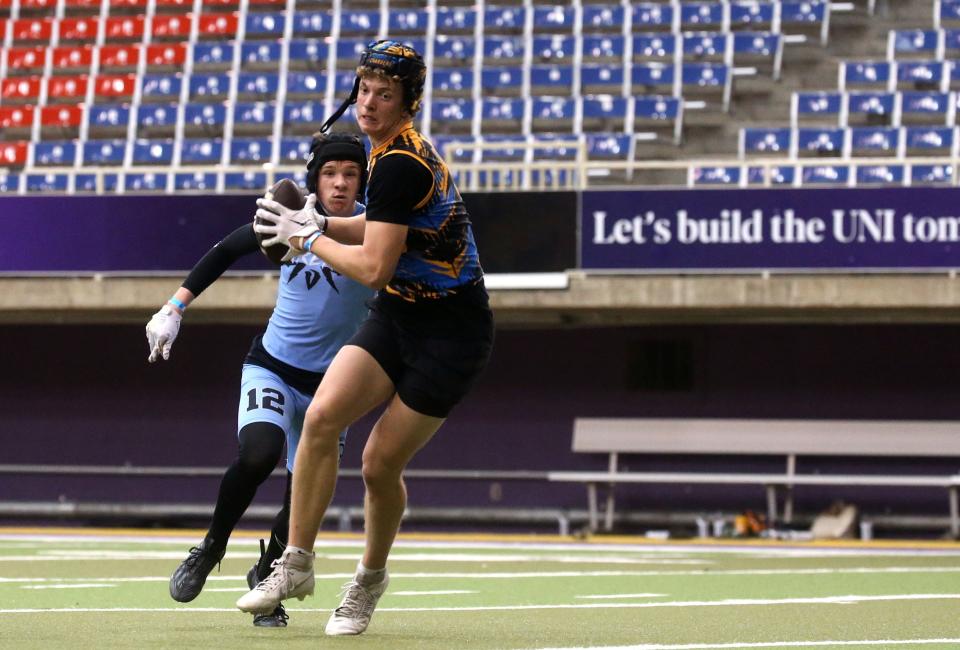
(63, 589)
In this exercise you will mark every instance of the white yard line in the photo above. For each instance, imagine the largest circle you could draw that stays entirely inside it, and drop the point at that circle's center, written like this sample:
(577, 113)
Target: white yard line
(771, 644)
(616, 596)
(730, 602)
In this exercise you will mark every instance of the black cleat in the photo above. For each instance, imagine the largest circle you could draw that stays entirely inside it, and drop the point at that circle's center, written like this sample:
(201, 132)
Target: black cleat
(276, 618)
(188, 580)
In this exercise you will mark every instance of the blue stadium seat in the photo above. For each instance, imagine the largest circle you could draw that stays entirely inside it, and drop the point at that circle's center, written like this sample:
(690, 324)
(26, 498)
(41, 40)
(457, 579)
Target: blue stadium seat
(149, 182)
(152, 152)
(806, 16)
(306, 85)
(256, 181)
(200, 181)
(104, 152)
(88, 183)
(820, 141)
(875, 141)
(499, 50)
(947, 12)
(653, 16)
(359, 22)
(501, 80)
(655, 47)
(454, 50)
(915, 43)
(204, 151)
(817, 106)
(161, 87)
(761, 49)
(250, 151)
(213, 56)
(930, 140)
(715, 175)
(253, 117)
(880, 175)
(448, 147)
(312, 23)
(456, 20)
(654, 112)
(931, 174)
(825, 175)
(701, 15)
(503, 19)
(555, 146)
(609, 146)
(256, 85)
(209, 87)
(765, 140)
(605, 113)
(603, 49)
(507, 153)
(47, 182)
(294, 150)
(302, 117)
(551, 80)
(714, 79)
(59, 153)
(309, 54)
(207, 119)
(501, 114)
(750, 14)
(348, 51)
(873, 108)
(555, 19)
(343, 82)
(553, 113)
(108, 118)
(923, 75)
(261, 55)
(777, 174)
(451, 114)
(264, 25)
(863, 74)
(927, 107)
(407, 21)
(156, 119)
(601, 79)
(603, 18)
(951, 43)
(553, 49)
(452, 82)
(654, 78)
(707, 46)
(9, 182)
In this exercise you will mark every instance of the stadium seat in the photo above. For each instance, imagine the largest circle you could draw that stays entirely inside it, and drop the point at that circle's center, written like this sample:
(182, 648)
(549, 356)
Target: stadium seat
(294, 150)
(603, 18)
(451, 115)
(707, 46)
(407, 21)
(204, 151)
(696, 16)
(825, 175)
(450, 147)
(145, 182)
(61, 153)
(257, 85)
(118, 58)
(503, 81)
(752, 14)
(654, 79)
(551, 80)
(715, 175)
(164, 6)
(309, 54)
(253, 118)
(301, 117)
(502, 149)
(765, 141)
(866, 74)
(605, 113)
(13, 154)
(946, 13)
(16, 120)
(453, 50)
(551, 114)
(166, 56)
(88, 183)
(502, 50)
(156, 120)
(209, 87)
(81, 7)
(820, 141)
(250, 151)
(596, 79)
(104, 152)
(927, 174)
(47, 182)
(556, 146)
(108, 120)
(603, 49)
(127, 7)
(359, 22)
(501, 115)
(160, 87)
(124, 29)
(708, 80)
(659, 114)
(872, 108)
(217, 26)
(213, 57)
(115, 87)
(609, 146)
(37, 31)
(761, 49)
(204, 119)
(170, 27)
(260, 56)
(951, 43)
(312, 23)
(200, 181)
(875, 141)
(806, 17)
(927, 108)
(343, 82)
(264, 25)
(655, 47)
(557, 19)
(915, 44)
(9, 182)
(25, 60)
(348, 52)
(256, 181)
(820, 107)
(503, 19)
(67, 89)
(306, 85)
(553, 49)
(880, 175)
(20, 90)
(923, 75)
(654, 16)
(452, 82)
(71, 59)
(152, 152)
(930, 140)
(455, 20)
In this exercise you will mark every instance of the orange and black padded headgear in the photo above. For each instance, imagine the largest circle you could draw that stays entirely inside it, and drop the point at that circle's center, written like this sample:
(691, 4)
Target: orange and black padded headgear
(396, 60)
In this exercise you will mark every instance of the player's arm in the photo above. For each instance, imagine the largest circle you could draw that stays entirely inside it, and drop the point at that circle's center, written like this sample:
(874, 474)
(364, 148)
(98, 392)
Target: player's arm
(399, 185)
(163, 328)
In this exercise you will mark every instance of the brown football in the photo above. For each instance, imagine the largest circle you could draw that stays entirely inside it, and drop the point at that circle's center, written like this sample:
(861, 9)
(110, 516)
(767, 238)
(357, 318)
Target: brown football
(287, 193)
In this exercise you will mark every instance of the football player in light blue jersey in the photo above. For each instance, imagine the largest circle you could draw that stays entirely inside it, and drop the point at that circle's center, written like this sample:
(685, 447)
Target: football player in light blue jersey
(317, 311)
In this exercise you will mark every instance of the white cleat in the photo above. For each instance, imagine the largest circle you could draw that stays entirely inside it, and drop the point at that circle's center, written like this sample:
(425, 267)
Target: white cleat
(285, 582)
(356, 608)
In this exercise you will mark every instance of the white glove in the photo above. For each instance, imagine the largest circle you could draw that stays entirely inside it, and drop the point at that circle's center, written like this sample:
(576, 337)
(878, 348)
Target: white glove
(162, 332)
(284, 223)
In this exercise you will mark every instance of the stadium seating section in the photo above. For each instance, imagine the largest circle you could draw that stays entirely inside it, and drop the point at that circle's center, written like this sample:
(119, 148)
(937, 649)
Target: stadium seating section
(164, 95)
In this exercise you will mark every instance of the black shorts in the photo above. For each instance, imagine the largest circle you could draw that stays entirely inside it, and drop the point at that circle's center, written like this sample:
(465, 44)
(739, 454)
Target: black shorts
(432, 358)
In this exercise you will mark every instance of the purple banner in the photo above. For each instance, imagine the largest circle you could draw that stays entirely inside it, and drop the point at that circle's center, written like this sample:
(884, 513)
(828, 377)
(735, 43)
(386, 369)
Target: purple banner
(781, 229)
(118, 233)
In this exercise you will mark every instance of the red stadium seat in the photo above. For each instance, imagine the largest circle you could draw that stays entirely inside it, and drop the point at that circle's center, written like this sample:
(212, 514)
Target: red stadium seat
(218, 25)
(13, 154)
(20, 89)
(67, 89)
(79, 30)
(166, 54)
(70, 59)
(16, 117)
(220, 6)
(32, 30)
(124, 28)
(119, 57)
(115, 86)
(62, 116)
(81, 7)
(135, 7)
(174, 6)
(38, 6)
(21, 60)
(175, 26)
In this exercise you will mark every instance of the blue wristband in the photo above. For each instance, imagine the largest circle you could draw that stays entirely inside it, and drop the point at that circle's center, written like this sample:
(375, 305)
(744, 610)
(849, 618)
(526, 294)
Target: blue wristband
(308, 242)
(176, 303)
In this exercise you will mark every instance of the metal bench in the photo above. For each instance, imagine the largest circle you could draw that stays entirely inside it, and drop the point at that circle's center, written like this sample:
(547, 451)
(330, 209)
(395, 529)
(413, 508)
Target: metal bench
(787, 438)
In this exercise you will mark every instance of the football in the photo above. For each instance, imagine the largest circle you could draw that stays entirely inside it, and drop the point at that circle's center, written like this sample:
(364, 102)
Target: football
(287, 193)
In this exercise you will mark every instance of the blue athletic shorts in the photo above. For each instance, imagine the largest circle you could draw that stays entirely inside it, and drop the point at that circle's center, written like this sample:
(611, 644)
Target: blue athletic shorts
(264, 397)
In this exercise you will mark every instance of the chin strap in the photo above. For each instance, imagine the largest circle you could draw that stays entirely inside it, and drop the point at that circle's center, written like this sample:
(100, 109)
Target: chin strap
(352, 99)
